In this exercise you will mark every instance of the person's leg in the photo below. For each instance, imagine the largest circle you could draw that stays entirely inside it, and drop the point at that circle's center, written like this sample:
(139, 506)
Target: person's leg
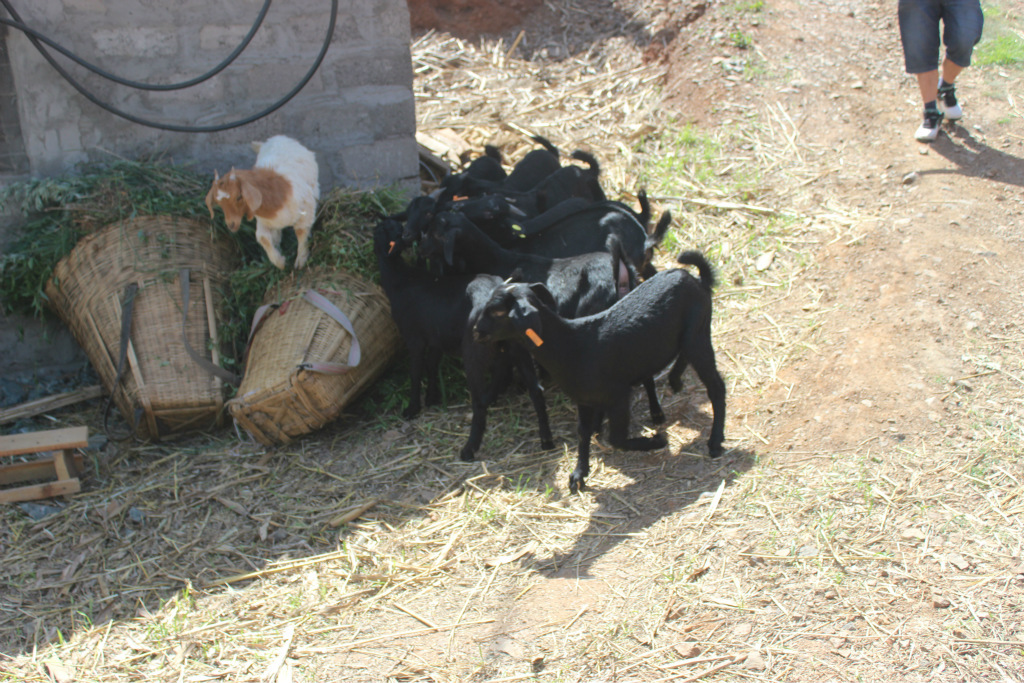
(928, 84)
(919, 35)
(950, 70)
(962, 25)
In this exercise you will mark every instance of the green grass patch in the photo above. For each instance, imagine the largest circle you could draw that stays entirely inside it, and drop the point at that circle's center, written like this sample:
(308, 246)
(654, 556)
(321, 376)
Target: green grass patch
(1002, 43)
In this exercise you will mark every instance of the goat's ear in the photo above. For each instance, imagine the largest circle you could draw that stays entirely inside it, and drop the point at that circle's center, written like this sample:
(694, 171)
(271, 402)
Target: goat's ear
(544, 294)
(252, 196)
(210, 195)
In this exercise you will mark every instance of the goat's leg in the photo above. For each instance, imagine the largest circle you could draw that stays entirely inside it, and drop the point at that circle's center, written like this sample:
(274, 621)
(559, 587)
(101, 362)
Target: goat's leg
(703, 360)
(302, 236)
(657, 414)
(501, 376)
(618, 430)
(675, 376)
(270, 240)
(416, 354)
(585, 420)
(433, 371)
(476, 381)
(525, 365)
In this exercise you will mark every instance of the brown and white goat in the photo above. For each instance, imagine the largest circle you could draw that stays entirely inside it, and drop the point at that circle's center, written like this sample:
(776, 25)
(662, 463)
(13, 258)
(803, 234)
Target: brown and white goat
(280, 190)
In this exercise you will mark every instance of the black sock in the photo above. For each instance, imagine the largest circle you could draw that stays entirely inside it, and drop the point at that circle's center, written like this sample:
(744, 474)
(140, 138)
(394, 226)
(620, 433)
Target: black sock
(930, 105)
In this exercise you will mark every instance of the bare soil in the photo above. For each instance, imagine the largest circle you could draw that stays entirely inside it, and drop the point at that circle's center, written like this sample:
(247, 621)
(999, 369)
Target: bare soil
(866, 524)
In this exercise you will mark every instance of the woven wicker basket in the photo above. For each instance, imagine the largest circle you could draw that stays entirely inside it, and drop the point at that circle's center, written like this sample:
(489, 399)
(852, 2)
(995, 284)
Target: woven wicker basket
(303, 367)
(136, 267)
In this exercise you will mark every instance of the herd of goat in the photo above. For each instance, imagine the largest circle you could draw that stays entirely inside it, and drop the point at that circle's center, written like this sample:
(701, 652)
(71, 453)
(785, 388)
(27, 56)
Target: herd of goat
(511, 271)
(536, 270)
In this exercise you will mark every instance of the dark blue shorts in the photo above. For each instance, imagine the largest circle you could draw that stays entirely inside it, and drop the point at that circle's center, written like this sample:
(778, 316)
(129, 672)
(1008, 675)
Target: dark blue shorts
(962, 22)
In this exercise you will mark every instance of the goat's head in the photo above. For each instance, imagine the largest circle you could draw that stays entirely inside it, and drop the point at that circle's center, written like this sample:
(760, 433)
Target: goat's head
(513, 312)
(388, 239)
(237, 197)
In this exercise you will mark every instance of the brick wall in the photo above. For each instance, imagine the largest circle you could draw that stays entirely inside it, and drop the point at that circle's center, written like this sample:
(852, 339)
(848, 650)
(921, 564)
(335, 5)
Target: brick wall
(357, 112)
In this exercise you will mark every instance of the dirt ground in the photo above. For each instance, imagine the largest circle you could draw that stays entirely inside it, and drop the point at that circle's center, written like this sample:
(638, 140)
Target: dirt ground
(867, 523)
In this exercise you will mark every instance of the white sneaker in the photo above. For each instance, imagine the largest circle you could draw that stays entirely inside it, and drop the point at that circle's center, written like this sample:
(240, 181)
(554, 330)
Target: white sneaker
(929, 129)
(947, 102)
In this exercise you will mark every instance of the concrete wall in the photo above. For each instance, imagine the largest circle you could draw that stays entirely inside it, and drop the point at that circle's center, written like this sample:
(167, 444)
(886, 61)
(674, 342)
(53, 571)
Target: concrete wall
(357, 112)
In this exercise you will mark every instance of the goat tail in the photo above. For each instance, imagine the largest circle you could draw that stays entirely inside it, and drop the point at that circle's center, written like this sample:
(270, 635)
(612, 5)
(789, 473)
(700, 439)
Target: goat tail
(658, 234)
(645, 208)
(492, 152)
(695, 258)
(546, 144)
(589, 160)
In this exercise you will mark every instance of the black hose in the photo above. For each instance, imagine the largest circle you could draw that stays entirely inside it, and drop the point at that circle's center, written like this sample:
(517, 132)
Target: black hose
(180, 128)
(32, 33)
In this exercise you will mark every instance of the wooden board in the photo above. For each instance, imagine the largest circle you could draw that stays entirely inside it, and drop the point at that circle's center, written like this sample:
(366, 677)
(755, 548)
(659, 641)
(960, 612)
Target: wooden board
(40, 442)
(64, 465)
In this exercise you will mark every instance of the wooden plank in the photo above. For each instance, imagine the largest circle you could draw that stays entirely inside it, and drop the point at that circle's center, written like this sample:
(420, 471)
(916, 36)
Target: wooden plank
(48, 403)
(37, 491)
(38, 442)
(64, 465)
(20, 472)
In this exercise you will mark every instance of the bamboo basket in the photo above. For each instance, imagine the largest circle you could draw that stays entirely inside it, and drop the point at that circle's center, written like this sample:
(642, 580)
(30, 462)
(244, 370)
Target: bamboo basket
(303, 367)
(132, 271)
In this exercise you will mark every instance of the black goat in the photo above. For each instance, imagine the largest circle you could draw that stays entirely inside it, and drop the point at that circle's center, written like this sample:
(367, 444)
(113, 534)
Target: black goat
(433, 317)
(488, 166)
(581, 228)
(566, 183)
(582, 284)
(537, 165)
(597, 359)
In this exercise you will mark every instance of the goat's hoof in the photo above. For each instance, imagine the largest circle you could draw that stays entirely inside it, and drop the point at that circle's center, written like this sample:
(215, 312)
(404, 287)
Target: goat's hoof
(714, 451)
(658, 417)
(467, 456)
(576, 483)
(676, 384)
(410, 413)
(547, 444)
(659, 440)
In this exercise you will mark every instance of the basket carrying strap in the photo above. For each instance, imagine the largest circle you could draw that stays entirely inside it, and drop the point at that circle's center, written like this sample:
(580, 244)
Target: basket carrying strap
(354, 352)
(229, 377)
(127, 305)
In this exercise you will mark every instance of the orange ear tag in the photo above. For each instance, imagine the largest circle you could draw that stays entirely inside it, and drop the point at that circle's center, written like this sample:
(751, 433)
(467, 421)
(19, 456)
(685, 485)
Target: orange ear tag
(460, 198)
(391, 246)
(534, 337)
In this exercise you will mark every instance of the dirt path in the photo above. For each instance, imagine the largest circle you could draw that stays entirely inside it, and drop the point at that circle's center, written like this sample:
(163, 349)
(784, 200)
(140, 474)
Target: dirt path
(866, 524)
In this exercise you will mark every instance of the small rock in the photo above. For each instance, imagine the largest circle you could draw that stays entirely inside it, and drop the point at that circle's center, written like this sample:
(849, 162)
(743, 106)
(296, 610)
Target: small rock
(911, 178)
(754, 661)
(136, 515)
(837, 642)
(38, 511)
(831, 594)
(687, 650)
(742, 630)
(807, 551)
(958, 561)
(939, 602)
(913, 534)
(764, 261)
